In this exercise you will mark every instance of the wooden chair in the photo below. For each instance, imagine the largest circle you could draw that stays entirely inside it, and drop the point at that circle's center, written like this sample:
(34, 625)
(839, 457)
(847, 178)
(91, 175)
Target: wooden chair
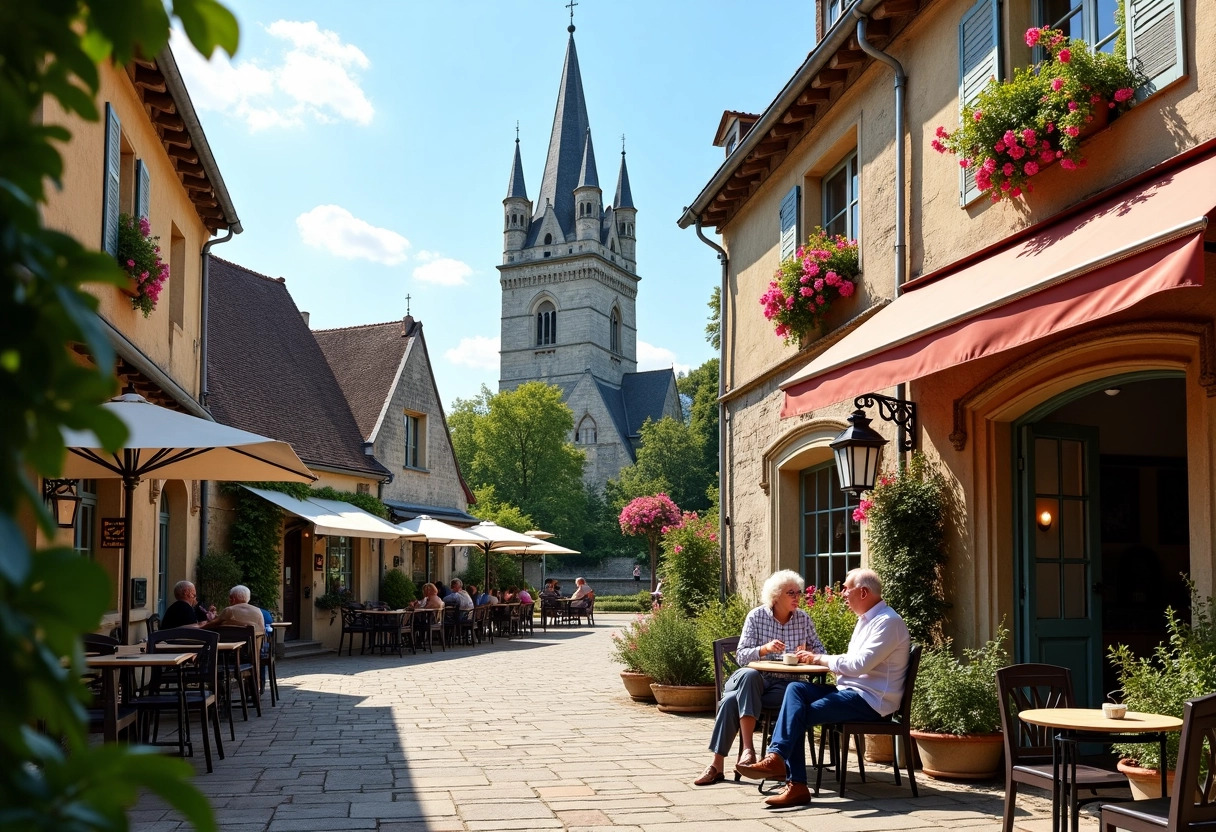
(483, 625)
(198, 684)
(246, 668)
(896, 725)
(526, 612)
(1192, 804)
(465, 630)
(1028, 749)
(354, 623)
(724, 665)
(427, 625)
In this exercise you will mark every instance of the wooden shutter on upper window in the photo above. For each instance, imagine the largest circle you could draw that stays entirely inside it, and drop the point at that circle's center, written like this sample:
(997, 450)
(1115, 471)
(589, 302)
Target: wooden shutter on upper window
(979, 61)
(111, 190)
(1154, 42)
(143, 189)
(789, 223)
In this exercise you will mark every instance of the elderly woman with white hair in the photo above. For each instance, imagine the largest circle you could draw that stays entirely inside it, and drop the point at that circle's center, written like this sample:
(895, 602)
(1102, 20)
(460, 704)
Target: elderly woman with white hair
(775, 627)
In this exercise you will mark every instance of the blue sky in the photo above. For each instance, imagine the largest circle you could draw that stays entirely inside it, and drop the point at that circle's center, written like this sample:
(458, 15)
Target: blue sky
(367, 146)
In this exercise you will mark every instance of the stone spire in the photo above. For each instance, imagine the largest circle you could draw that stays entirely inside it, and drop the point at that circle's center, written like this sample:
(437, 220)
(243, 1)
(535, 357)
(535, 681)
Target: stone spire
(516, 188)
(563, 165)
(624, 197)
(587, 177)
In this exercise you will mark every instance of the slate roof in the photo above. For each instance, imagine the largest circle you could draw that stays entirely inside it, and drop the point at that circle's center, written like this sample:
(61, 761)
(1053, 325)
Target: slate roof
(266, 373)
(366, 361)
(516, 188)
(408, 511)
(564, 161)
(587, 177)
(624, 196)
(641, 396)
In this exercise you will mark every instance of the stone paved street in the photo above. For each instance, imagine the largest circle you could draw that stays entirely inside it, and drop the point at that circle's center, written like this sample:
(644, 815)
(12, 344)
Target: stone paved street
(528, 734)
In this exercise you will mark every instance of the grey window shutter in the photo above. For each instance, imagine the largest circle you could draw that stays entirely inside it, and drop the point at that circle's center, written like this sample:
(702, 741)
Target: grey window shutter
(1154, 42)
(789, 223)
(979, 60)
(111, 190)
(143, 189)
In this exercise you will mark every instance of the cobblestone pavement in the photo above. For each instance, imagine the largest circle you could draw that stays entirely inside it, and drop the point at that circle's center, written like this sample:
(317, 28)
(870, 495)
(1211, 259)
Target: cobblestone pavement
(535, 733)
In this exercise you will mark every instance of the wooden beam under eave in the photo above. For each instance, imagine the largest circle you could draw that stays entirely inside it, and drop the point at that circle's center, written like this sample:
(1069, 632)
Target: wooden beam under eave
(769, 148)
(758, 166)
(171, 121)
(830, 78)
(149, 79)
(813, 95)
(160, 101)
(195, 185)
(186, 154)
(798, 114)
(878, 30)
(785, 130)
(896, 8)
(847, 58)
(190, 169)
(176, 137)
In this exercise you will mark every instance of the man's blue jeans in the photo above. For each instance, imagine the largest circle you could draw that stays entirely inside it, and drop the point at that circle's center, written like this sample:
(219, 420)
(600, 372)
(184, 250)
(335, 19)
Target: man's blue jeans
(805, 705)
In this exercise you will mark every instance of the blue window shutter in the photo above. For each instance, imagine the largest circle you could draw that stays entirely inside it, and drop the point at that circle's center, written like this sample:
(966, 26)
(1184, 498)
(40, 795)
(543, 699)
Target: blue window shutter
(979, 61)
(789, 223)
(1154, 42)
(111, 189)
(143, 189)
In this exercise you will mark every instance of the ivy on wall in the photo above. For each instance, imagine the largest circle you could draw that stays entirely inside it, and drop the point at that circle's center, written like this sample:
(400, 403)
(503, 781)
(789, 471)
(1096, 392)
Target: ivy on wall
(257, 530)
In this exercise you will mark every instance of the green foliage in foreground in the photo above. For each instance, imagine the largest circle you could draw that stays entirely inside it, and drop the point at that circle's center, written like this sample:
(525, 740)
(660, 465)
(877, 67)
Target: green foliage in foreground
(958, 696)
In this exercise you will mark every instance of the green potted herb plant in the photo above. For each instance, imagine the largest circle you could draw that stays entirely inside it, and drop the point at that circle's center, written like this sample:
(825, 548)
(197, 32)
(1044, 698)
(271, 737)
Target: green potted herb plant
(956, 715)
(674, 655)
(624, 651)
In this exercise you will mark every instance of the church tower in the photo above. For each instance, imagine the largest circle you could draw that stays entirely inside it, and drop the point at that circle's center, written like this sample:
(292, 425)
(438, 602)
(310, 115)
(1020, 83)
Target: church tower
(569, 284)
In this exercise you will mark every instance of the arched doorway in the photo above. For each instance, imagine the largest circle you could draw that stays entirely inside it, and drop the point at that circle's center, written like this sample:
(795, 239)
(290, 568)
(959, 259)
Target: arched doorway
(1103, 534)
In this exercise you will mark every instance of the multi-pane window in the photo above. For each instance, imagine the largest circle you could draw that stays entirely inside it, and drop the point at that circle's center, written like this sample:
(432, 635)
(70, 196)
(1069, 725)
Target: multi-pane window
(614, 331)
(413, 441)
(585, 435)
(84, 538)
(338, 558)
(841, 199)
(835, 8)
(546, 324)
(831, 538)
(1094, 21)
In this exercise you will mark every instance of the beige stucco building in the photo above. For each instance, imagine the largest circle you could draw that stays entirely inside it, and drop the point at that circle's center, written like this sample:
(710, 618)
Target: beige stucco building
(1058, 346)
(146, 156)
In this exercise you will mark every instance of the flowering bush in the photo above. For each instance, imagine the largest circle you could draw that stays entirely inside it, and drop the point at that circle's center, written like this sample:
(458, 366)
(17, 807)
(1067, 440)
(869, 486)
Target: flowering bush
(1014, 129)
(649, 517)
(693, 571)
(139, 256)
(624, 648)
(834, 621)
(801, 292)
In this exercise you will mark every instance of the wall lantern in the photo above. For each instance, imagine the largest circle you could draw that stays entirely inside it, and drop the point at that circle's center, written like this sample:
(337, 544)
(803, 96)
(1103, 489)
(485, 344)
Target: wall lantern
(859, 446)
(1043, 520)
(63, 500)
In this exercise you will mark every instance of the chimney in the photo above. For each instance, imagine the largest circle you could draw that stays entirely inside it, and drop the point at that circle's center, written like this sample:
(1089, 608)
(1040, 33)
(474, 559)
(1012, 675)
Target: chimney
(304, 315)
(407, 324)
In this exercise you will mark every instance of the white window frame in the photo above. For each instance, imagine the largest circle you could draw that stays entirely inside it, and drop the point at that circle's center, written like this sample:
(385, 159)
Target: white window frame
(415, 440)
(851, 211)
(1089, 25)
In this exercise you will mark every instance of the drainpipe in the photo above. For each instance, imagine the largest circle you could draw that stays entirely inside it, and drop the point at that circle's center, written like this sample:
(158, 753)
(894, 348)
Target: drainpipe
(722, 518)
(901, 246)
(204, 490)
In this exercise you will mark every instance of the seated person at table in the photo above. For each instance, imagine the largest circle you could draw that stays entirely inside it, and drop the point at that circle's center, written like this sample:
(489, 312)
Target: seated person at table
(580, 600)
(508, 597)
(185, 611)
(238, 612)
(869, 685)
(430, 599)
(524, 596)
(493, 596)
(443, 591)
(771, 629)
(458, 597)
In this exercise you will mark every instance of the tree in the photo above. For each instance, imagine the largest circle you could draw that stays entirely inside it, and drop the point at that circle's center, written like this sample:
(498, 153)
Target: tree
(700, 389)
(671, 459)
(713, 329)
(50, 597)
(648, 517)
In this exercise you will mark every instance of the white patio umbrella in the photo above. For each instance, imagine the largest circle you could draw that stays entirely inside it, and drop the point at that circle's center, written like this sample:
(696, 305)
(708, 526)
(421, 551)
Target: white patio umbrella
(437, 531)
(170, 445)
(498, 538)
(542, 547)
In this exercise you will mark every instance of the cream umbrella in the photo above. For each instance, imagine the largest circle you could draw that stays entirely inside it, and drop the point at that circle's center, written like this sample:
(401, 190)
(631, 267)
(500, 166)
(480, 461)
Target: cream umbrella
(171, 445)
(498, 538)
(540, 547)
(437, 531)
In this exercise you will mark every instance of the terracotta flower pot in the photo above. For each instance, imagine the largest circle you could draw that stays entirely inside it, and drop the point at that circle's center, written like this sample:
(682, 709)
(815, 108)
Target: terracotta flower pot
(637, 685)
(960, 757)
(880, 748)
(683, 699)
(1145, 783)
(130, 288)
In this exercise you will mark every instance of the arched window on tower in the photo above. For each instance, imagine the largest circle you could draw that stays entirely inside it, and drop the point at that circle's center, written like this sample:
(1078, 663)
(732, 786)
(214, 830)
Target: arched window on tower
(548, 239)
(546, 324)
(585, 435)
(614, 331)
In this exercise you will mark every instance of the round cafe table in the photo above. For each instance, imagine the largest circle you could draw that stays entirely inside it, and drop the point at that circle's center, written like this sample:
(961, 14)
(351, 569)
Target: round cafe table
(766, 666)
(1076, 725)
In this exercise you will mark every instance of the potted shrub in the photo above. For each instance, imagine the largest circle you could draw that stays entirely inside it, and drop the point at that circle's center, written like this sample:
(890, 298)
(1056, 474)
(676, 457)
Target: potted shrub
(1013, 129)
(396, 589)
(672, 653)
(1180, 669)
(624, 651)
(956, 716)
(807, 283)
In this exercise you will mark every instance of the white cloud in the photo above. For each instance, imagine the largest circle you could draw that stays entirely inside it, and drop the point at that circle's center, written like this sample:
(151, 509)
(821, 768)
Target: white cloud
(334, 229)
(441, 271)
(313, 78)
(480, 352)
(651, 357)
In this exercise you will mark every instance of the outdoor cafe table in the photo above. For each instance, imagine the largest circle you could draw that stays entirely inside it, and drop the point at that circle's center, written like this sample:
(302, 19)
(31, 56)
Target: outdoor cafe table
(386, 623)
(781, 667)
(128, 657)
(1074, 726)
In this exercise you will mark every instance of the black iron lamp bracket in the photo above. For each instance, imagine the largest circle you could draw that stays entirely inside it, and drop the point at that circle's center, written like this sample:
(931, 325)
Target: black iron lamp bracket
(899, 411)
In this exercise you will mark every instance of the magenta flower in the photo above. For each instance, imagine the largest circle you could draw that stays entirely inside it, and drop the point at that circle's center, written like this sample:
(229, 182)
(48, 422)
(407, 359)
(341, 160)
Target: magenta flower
(1057, 84)
(1032, 36)
(1064, 56)
(1030, 168)
(1124, 94)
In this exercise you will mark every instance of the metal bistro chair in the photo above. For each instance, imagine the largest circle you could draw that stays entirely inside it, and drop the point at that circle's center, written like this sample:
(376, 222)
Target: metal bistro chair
(526, 611)
(1028, 748)
(724, 665)
(483, 624)
(354, 622)
(96, 645)
(896, 725)
(1192, 804)
(246, 670)
(197, 685)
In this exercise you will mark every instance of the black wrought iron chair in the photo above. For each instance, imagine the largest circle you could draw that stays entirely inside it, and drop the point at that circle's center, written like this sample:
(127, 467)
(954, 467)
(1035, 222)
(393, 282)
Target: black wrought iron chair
(1192, 803)
(896, 725)
(354, 622)
(483, 624)
(724, 665)
(245, 667)
(197, 685)
(1028, 747)
(526, 613)
(97, 645)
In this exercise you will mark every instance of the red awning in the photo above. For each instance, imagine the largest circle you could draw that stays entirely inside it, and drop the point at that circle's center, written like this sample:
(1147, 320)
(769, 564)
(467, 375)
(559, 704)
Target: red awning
(1081, 269)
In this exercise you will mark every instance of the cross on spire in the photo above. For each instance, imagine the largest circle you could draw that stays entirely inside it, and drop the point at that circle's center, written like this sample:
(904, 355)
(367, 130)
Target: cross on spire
(407, 304)
(622, 144)
(517, 131)
(571, 6)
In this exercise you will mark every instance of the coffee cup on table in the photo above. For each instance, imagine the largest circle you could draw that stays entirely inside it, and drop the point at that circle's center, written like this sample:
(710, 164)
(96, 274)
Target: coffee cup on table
(1113, 710)
(790, 658)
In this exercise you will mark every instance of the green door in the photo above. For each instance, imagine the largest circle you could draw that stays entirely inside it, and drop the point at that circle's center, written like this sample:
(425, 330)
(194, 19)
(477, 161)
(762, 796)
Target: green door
(1060, 567)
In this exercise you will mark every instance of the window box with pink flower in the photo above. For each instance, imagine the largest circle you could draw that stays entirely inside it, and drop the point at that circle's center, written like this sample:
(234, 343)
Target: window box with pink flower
(1015, 129)
(807, 285)
(139, 257)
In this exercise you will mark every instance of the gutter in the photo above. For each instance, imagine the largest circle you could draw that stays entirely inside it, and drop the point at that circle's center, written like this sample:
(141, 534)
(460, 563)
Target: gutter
(836, 38)
(723, 520)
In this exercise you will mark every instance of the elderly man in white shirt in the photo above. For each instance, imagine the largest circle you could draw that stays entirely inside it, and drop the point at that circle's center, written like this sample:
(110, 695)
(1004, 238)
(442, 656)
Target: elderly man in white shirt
(869, 684)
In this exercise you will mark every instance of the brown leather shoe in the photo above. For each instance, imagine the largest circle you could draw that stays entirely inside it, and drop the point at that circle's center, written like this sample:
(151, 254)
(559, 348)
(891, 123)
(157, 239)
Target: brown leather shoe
(772, 767)
(708, 777)
(794, 794)
(747, 757)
